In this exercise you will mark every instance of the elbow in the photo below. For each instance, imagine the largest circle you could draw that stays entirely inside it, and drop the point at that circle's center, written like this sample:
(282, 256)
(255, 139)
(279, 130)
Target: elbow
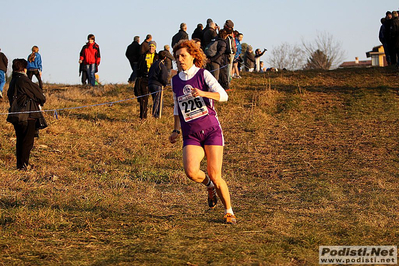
(223, 97)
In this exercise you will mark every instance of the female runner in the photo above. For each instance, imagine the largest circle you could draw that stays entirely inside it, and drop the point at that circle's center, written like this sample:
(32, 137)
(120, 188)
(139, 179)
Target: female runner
(194, 92)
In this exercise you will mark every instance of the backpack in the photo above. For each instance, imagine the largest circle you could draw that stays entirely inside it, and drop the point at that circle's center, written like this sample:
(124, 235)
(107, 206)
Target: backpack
(211, 49)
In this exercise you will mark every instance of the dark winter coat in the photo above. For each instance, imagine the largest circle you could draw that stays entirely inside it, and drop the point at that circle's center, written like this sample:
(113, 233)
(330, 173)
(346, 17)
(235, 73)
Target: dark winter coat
(249, 60)
(394, 33)
(26, 91)
(197, 34)
(181, 35)
(133, 52)
(168, 60)
(144, 48)
(220, 57)
(158, 74)
(208, 36)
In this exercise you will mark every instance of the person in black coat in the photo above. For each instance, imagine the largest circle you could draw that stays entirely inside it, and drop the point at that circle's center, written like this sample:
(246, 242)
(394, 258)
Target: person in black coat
(394, 37)
(219, 60)
(180, 35)
(133, 55)
(208, 34)
(249, 59)
(29, 94)
(157, 78)
(169, 59)
(197, 32)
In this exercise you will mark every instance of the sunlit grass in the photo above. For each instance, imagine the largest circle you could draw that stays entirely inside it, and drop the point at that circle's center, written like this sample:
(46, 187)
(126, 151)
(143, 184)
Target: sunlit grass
(311, 159)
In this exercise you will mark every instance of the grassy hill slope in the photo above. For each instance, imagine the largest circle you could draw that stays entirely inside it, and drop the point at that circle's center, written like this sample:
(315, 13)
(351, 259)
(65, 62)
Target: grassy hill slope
(311, 159)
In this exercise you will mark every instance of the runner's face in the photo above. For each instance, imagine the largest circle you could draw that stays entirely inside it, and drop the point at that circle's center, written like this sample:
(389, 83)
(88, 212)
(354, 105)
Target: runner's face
(184, 59)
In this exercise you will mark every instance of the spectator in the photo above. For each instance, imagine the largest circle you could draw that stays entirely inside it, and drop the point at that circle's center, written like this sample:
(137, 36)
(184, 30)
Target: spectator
(387, 26)
(180, 35)
(168, 59)
(141, 87)
(83, 73)
(218, 60)
(262, 67)
(238, 39)
(229, 26)
(197, 41)
(3, 71)
(29, 94)
(209, 34)
(197, 32)
(249, 59)
(394, 38)
(258, 54)
(157, 79)
(145, 45)
(35, 65)
(90, 57)
(226, 67)
(133, 55)
(230, 48)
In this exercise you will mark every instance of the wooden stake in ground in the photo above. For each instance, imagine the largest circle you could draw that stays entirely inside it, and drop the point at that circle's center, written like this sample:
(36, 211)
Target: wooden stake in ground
(160, 104)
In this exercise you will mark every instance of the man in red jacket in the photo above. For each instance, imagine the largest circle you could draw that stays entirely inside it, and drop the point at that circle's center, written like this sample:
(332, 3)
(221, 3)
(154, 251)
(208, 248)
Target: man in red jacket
(90, 57)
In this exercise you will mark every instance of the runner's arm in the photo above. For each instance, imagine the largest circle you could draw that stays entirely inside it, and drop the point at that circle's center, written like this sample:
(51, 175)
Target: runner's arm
(216, 91)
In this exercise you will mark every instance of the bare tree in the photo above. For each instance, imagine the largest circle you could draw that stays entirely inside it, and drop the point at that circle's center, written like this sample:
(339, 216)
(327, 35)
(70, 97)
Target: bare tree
(325, 43)
(286, 56)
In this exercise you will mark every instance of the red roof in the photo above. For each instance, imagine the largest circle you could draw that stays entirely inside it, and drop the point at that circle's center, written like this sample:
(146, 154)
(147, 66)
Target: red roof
(364, 63)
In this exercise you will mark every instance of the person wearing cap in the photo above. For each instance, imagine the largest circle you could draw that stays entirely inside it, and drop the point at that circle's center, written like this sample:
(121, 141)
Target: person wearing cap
(141, 87)
(230, 50)
(3, 71)
(90, 57)
(180, 35)
(229, 26)
(157, 78)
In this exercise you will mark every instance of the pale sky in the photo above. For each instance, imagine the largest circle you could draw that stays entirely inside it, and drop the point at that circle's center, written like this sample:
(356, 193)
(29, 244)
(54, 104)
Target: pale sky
(60, 28)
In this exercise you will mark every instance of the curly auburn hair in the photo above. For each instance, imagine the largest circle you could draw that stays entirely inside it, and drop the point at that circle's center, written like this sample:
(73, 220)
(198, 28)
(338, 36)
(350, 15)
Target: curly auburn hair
(193, 49)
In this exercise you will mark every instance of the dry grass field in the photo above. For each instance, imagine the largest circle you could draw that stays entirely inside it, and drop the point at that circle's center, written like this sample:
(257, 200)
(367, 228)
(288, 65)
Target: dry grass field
(311, 158)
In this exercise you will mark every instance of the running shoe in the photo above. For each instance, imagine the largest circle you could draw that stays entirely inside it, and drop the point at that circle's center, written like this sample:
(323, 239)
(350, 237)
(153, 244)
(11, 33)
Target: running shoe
(230, 218)
(212, 198)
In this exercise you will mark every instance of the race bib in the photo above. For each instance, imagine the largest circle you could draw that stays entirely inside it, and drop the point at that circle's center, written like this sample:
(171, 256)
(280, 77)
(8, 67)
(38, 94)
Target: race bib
(192, 107)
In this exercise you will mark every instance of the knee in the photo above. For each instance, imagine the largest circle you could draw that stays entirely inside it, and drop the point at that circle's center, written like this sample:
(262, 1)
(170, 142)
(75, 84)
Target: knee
(192, 174)
(217, 180)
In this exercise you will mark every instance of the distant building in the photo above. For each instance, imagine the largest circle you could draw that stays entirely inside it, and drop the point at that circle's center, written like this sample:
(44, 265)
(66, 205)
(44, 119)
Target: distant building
(356, 63)
(377, 56)
(377, 59)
